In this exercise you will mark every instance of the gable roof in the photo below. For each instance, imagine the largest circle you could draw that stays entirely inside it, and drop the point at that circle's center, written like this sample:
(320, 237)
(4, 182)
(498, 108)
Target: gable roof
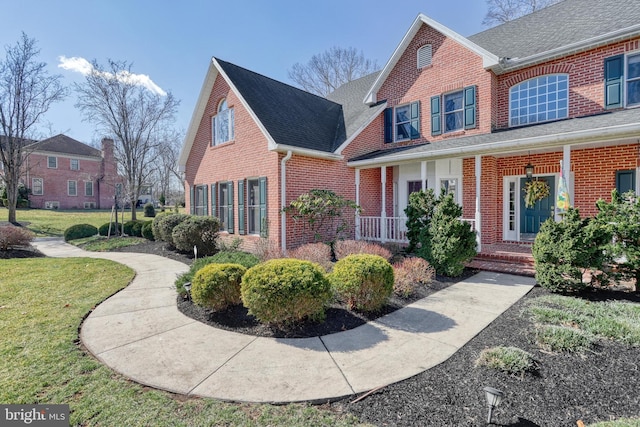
(560, 28)
(65, 145)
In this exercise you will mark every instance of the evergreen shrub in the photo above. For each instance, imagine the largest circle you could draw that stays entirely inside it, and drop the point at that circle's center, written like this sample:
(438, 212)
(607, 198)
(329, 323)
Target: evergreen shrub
(79, 231)
(198, 231)
(363, 281)
(217, 286)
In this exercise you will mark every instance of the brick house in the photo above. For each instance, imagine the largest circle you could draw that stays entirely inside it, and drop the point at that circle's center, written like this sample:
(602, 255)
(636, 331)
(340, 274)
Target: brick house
(463, 114)
(66, 174)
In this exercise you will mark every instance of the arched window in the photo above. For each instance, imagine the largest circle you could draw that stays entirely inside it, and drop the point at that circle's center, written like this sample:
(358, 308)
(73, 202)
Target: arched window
(222, 124)
(538, 100)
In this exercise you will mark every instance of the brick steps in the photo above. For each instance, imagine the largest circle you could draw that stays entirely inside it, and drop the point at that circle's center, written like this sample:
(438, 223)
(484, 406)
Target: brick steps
(504, 258)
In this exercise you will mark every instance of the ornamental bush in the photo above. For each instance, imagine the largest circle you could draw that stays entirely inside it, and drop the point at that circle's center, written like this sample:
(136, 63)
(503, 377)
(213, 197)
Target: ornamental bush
(128, 227)
(283, 291)
(419, 212)
(149, 210)
(155, 225)
(137, 228)
(320, 253)
(12, 236)
(147, 230)
(363, 281)
(410, 274)
(344, 248)
(217, 286)
(79, 231)
(165, 227)
(103, 230)
(223, 257)
(198, 231)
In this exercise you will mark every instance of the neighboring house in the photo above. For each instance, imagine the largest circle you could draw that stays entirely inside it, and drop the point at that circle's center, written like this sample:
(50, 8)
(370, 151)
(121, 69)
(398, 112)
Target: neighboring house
(63, 173)
(463, 114)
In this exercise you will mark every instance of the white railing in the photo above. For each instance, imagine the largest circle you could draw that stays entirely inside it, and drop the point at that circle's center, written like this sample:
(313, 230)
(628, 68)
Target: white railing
(389, 229)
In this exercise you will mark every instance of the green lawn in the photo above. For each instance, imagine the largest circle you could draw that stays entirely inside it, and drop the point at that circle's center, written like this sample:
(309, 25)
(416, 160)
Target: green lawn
(42, 303)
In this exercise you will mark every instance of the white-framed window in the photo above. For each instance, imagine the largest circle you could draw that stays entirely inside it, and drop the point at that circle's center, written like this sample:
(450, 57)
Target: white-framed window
(450, 186)
(253, 206)
(52, 162)
(540, 99)
(37, 186)
(632, 77)
(200, 194)
(223, 124)
(402, 123)
(88, 188)
(453, 111)
(72, 188)
(74, 164)
(424, 56)
(225, 206)
(51, 205)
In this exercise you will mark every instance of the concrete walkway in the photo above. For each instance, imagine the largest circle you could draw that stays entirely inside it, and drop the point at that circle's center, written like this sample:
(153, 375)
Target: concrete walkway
(140, 333)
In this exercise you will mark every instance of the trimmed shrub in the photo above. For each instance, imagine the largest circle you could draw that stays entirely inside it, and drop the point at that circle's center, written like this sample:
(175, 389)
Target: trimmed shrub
(511, 360)
(165, 227)
(198, 231)
(147, 230)
(12, 236)
(344, 248)
(79, 231)
(103, 230)
(411, 273)
(155, 224)
(137, 228)
(282, 291)
(217, 286)
(320, 253)
(128, 227)
(363, 281)
(245, 259)
(149, 210)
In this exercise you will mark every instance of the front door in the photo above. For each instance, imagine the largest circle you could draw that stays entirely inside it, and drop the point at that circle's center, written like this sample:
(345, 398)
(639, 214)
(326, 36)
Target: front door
(531, 218)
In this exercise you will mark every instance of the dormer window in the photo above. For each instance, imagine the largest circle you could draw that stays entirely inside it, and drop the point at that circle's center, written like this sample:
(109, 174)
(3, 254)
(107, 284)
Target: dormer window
(222, 124)
(424, 56)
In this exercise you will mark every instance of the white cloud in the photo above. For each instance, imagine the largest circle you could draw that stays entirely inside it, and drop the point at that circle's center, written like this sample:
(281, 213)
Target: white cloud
(84, 67)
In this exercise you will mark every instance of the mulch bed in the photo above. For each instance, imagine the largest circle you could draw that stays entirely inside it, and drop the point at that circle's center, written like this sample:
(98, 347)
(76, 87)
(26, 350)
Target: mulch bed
(598, 385)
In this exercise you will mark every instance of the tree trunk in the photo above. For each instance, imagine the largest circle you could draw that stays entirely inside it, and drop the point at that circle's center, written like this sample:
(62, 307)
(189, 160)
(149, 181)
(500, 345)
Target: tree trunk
(12, 200)
(134, 206)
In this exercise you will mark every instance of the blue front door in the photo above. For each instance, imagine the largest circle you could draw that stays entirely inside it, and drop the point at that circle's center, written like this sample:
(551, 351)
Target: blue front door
(531, 218)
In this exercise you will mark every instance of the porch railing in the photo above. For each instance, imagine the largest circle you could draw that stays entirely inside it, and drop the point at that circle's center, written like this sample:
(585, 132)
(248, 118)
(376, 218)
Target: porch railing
(388, 229)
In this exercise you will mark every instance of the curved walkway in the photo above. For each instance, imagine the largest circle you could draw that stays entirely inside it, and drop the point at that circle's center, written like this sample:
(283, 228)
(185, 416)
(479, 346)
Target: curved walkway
(140, 333)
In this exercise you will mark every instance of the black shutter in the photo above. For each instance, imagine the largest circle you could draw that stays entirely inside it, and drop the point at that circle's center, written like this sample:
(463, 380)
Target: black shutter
(204, 201)
(241, 198)
(214, 212)
(415, 120)
(262, 189)
(388, 125)
(436, 121)
(192, 208)
(469, 107)
(230, 192)
(613, 81)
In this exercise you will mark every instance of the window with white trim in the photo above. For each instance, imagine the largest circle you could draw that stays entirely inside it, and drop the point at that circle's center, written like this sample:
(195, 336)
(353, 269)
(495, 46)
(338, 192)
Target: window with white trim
(74, 164)
(450, 186)
(88, 188)
(225, 206)
(541, 99)
(424, 56)
(72, 188)
(402, 123)
(633, 79)
(52, 162)
(253, 206)
(222, 124)
(453, 111)
(37, 186)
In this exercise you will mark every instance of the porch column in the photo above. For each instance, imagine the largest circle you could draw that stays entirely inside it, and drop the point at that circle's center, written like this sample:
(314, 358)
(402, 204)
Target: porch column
(423, 174)
(566, 167)
(358, 235)
(478, 216)
(383, 214)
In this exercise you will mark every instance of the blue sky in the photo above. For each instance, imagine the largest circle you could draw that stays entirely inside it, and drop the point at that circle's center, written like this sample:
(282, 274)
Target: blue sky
(172, 42)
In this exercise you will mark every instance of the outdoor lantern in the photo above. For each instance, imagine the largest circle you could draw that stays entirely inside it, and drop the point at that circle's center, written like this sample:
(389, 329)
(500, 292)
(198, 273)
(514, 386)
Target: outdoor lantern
(494, 396)
(528, 170)
(187, 287)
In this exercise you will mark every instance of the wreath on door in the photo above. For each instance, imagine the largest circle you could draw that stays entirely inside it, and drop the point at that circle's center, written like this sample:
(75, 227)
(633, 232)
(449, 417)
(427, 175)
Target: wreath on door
(534, 191)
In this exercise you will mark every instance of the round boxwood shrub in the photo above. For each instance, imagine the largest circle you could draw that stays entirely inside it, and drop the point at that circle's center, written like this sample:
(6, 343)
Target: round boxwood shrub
(217, 286)
(198, 231)
(155, 225)
(165, 227)
(286, 290)
(103, 230)
(137, 228)
(363, 281)
(149, 210)
(79, 231)
(129, 226)
(147, 230)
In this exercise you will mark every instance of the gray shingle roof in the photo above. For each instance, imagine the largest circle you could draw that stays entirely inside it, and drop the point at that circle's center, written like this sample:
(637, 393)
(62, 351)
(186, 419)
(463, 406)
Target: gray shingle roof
(290, 115)
(564, 23)
(588, 123)
(66, 145)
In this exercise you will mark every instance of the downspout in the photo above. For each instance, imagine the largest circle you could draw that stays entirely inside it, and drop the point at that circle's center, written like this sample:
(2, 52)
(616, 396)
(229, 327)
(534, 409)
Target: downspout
(283, 198)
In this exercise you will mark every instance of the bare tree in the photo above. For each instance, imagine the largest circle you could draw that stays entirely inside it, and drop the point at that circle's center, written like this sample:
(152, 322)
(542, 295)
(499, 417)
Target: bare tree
(327, 71)
(132, 114)
(168, 154)
(501, 11)
(26, 93)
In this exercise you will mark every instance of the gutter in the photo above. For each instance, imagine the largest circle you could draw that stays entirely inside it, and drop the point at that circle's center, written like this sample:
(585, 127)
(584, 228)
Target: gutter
(283, 198)
(546, 141)
(305, 152)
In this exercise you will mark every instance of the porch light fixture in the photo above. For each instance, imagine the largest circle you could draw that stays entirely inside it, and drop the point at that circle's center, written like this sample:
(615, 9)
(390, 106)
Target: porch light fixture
(528, 170)
(494, 397)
